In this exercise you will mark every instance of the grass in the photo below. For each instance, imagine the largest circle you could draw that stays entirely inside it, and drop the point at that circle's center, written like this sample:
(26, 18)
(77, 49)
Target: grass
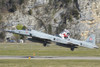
(39, 50)
(49, 63)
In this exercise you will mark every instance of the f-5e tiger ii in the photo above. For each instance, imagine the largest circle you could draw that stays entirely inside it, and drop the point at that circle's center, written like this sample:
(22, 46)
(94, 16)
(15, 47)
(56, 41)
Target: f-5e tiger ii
(63, 39)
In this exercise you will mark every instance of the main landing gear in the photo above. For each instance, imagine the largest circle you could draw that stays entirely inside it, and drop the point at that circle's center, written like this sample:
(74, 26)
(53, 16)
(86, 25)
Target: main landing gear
(72, 48)
(46, 43)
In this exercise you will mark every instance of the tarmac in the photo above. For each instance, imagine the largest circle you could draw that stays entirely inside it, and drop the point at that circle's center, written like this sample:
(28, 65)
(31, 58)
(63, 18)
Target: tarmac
(50, 57)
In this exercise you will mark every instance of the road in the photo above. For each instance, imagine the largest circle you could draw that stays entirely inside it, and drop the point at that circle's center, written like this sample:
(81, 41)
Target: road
(50, 57)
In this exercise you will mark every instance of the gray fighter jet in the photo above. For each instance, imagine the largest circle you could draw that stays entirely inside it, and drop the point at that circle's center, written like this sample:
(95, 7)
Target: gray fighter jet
(63, 39)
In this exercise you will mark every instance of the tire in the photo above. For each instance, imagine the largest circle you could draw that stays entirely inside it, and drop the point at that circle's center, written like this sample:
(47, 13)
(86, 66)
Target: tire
(72, 48)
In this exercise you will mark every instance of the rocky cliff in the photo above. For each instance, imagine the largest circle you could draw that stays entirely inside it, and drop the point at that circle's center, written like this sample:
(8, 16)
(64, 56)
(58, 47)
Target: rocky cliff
(81, 17)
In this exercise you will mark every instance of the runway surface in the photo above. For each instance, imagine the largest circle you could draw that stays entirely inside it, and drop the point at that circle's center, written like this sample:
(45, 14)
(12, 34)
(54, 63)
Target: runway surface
(50, 57)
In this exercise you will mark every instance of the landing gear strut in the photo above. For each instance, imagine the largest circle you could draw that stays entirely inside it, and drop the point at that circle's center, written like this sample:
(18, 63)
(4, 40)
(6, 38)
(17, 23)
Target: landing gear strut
(44, 44)
(72, 48)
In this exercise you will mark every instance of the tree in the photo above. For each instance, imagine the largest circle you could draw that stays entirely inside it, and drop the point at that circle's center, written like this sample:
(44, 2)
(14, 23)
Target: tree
(24, 28)
(2, 33)
(2, 36)
(13, 9)
(19, 27)
(49, 29)
(30, 12)
(17, 36)
(75, 13)
(21, 2)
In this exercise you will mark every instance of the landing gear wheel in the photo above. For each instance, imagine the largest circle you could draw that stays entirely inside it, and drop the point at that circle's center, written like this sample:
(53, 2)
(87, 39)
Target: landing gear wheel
(72, 48)
(44, 44)
(31, 35)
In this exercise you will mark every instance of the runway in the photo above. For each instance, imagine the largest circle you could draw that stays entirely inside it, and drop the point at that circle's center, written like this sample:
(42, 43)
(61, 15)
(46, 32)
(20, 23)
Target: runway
(50, 57)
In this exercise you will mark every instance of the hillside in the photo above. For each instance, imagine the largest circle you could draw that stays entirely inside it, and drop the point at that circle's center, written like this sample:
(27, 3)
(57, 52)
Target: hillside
(52, 16)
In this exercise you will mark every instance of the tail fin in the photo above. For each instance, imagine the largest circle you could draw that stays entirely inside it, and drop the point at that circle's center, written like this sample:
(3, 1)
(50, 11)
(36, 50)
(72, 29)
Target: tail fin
(91, 39)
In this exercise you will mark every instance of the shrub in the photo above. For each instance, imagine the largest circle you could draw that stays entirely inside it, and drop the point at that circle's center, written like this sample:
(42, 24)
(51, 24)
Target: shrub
(10, 1)
(0, 17)
(49, 29)
(66, 1)
(19, 27)
(24, 28)
(70, 18)
(75, 13)
(2, 35)
(2, 32)
(13, 9)
(17, 37)
(21, 2)
(30, 12)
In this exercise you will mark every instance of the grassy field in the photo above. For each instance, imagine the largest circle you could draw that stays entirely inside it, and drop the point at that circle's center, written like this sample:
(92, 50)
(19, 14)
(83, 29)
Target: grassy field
(49, 63)
(39, 50)
(52, 50)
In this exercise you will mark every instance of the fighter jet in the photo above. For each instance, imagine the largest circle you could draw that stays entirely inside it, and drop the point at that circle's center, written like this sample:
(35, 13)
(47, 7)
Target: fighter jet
(63, 39)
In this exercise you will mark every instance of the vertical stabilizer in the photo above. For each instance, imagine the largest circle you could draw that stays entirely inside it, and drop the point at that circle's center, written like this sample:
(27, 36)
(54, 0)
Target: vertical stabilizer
(91, 39)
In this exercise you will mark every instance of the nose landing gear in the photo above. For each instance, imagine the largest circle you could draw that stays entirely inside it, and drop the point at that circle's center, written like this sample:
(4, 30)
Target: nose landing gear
(72, 48)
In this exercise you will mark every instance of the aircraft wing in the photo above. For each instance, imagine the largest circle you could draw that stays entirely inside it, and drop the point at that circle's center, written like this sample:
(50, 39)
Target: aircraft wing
(74, 41)
(48, 37)
(40, 35)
